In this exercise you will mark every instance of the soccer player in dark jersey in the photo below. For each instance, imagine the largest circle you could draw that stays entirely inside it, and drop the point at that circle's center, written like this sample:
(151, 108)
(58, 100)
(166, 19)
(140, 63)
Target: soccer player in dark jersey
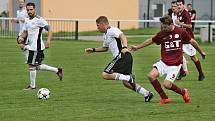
(173, 11)
(173, 8)
(192, 14)
(120, 68)
(171, 39)
(184, 21)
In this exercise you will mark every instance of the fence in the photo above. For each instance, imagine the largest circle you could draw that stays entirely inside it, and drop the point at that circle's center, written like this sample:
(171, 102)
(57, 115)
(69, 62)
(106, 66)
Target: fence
(62, 29)
(206, 29)
(70, 28)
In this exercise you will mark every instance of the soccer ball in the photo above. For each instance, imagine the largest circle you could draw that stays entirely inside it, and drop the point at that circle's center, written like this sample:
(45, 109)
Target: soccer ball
(43, 93)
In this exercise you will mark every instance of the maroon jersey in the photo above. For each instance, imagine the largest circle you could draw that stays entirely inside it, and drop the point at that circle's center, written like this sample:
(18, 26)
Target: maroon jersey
(185, 18)
(171, 45)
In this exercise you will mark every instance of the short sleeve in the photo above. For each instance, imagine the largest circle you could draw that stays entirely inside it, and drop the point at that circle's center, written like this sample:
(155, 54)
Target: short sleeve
(116, 32)
(42, 22)
(105, 44)
(185, 37)
(157, 38)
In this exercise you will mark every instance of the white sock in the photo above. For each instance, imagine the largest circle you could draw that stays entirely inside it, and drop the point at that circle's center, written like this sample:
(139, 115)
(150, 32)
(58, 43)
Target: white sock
(142, 91)
(122, 77)
(48, 68)
(184, 64)
(33, 74)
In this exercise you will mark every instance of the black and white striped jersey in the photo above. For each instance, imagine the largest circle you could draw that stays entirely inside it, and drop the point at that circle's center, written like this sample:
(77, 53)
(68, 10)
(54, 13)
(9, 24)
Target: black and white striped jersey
(34, 28)
(112, 41)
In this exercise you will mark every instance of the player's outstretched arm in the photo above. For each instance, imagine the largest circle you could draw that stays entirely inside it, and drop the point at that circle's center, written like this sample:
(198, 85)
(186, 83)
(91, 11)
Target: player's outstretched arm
(198, 48)
(142, 45)
(99, 49)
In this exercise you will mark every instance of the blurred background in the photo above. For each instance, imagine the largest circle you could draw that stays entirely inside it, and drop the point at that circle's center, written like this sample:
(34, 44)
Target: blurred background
(71, 17)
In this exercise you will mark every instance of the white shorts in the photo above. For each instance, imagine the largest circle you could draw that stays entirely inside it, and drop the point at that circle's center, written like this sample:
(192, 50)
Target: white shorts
(169, 71)
(189, 49)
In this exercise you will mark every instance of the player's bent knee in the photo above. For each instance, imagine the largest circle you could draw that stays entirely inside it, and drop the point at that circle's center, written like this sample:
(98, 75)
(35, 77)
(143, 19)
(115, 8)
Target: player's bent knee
(194, 58)
(105, 75)
(32, 68)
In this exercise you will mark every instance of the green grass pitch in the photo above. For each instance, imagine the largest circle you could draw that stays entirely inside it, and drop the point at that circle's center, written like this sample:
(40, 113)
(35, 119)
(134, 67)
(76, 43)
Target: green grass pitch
(84, 96)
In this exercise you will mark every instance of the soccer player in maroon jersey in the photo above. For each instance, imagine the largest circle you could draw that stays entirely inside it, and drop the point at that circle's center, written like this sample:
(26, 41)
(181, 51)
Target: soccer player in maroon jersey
(171, 39)
(184, 21)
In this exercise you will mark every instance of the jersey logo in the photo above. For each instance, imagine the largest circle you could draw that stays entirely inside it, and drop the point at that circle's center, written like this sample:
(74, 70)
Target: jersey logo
(173, 44)
(176, 36)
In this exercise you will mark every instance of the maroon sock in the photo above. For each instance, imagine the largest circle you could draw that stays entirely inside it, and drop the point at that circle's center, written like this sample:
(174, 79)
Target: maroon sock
(158, 88)
(199, 67)
(177, 89)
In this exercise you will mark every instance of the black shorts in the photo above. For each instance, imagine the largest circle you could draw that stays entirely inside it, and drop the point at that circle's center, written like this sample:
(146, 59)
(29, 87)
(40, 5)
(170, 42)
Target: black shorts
(35, 57)
(121, 64)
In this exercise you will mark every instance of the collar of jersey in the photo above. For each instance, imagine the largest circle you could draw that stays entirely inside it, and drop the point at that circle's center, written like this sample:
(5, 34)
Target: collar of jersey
(107, 29)
(32, 17)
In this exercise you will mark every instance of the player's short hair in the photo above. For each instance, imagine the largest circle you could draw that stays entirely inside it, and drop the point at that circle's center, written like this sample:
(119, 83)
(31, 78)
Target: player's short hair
(167, 20)
(174, 2)
(189, 4)
(103, 19)
(181, 1)
(30, 4)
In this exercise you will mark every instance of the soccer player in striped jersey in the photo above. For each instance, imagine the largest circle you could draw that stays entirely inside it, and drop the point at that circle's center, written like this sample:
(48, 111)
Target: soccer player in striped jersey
(173, 11)
(120, 68)
(33, 29)
(171, 39)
